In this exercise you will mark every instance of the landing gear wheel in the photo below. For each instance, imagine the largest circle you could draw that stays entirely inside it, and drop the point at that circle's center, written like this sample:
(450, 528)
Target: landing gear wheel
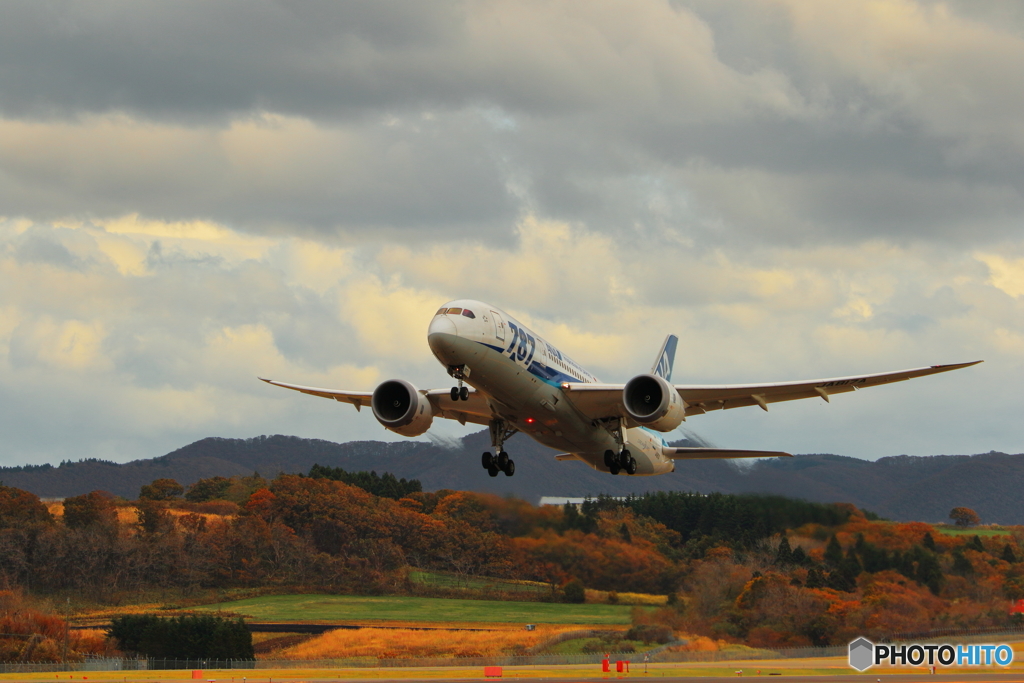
(631, 465)
(609, 459)
(493, 471)
(455, 393)
(464, 393)
(614, 469)
(487, 460)
(503, 460)
(624, 457)
(510, 468)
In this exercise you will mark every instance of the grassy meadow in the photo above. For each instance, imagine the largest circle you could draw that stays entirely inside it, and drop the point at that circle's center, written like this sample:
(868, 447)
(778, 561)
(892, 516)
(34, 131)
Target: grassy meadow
(372, 609)
(984, 532)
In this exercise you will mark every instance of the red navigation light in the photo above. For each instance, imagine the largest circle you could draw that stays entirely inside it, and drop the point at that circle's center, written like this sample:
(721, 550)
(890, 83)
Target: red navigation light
(530, 420)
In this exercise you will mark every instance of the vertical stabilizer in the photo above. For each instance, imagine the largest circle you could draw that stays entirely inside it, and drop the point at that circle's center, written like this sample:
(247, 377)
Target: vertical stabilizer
(666, 358)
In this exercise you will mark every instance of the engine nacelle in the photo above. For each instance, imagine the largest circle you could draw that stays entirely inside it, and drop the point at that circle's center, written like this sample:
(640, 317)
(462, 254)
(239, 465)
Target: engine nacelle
(653, 402)
(400, 407)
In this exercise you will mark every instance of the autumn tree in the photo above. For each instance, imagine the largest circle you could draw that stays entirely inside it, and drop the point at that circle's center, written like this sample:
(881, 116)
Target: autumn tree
(203, 490)
(161, 489)
(19, 507)
(965, 517)
(153, 518)
(89, 509)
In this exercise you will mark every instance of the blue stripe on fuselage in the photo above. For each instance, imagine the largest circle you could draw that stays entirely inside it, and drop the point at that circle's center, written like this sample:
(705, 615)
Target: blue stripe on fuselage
(546, 374)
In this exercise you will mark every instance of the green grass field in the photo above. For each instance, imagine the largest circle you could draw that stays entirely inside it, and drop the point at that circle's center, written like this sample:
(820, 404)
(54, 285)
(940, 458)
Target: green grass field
(345, 608)
(477, 583)
(953, 531)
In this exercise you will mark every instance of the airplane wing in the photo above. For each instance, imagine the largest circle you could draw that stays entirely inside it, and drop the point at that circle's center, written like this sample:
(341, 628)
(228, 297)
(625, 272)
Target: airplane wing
(356, 398)
(476, 410)
(600, 401)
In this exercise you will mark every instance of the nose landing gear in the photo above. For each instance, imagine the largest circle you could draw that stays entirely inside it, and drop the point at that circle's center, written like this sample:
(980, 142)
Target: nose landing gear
(459, 372)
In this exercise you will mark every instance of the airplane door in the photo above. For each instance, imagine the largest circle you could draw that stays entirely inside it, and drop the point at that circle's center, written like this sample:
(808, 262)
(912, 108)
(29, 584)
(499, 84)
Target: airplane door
(499, 326)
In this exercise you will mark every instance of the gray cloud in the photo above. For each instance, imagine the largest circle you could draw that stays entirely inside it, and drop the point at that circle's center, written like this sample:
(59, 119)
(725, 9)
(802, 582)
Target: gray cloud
(455, 118)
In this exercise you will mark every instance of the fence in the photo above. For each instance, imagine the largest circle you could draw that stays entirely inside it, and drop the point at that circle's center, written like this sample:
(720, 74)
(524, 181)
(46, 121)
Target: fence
(660, 656)
(369, 662)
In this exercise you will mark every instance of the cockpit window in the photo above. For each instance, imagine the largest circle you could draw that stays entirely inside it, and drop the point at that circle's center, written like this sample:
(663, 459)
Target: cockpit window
(441, 311)
(454, 311)
(468, 313)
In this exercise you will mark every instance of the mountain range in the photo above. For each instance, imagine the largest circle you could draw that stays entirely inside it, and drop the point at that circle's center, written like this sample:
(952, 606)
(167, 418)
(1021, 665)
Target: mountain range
(922, 488)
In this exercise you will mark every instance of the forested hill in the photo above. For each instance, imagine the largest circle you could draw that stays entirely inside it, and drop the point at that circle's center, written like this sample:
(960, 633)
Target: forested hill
(900, 488)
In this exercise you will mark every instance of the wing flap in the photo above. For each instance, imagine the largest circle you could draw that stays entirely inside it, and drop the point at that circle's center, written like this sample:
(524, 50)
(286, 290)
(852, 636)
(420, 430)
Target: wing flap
(596, 401)
(708, 453)
(477, 410)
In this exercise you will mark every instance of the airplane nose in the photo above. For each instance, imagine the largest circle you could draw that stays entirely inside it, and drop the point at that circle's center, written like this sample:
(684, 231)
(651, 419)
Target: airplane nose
(440, 334)
(441, 324)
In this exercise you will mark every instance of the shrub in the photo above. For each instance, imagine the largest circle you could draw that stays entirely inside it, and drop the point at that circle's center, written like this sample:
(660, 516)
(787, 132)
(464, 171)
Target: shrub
(574, 591)
(161, 489)
(650, 633)
(187, 637)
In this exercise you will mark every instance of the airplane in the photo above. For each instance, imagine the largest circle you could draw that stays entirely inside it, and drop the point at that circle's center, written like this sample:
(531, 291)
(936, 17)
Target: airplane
(512, 380)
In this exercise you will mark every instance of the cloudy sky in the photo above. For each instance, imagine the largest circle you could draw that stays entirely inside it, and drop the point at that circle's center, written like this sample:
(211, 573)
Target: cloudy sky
(196, 193)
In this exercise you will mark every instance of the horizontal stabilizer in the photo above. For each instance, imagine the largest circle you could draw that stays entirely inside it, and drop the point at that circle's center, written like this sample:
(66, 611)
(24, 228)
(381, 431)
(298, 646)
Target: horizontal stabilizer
(703, 453)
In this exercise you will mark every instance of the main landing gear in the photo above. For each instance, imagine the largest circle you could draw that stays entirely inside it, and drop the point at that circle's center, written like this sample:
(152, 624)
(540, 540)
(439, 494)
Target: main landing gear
(502, 463)
(500, 432)
(623, 460)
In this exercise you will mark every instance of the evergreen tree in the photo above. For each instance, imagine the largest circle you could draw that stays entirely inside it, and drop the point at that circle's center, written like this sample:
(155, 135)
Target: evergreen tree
(929, 542)
(929, 572)
(384, 486)
(976, 544)
(1009, 555)
(185, 637)
(906, 565)
(850, 564)
(842, 581)
(961, 565)
(784, 555)
(875, 559)
(834, 552)
(815, 578)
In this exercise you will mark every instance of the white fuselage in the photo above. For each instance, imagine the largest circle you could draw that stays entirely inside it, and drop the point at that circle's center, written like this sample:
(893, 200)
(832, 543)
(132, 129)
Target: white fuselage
(521, 376)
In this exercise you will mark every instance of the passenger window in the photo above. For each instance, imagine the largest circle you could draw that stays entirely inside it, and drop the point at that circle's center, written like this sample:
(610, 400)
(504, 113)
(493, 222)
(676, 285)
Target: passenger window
(454, 311)
(468, 313)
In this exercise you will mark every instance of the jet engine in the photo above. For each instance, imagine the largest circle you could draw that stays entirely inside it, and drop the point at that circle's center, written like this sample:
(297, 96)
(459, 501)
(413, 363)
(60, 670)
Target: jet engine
(400, 407)
(652, 402)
